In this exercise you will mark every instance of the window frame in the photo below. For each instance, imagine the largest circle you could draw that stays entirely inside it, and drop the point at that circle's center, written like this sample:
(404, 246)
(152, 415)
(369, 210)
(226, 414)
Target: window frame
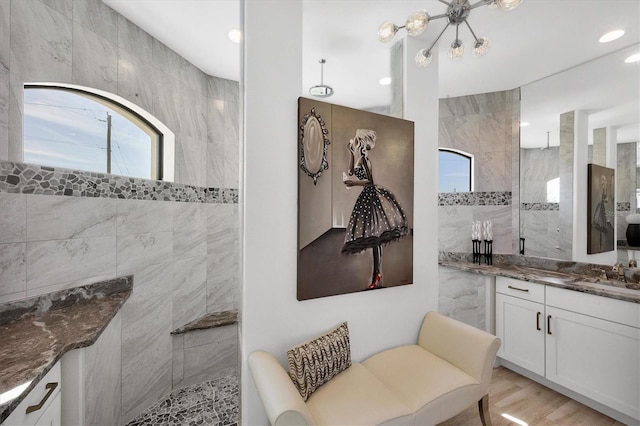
(163, 149)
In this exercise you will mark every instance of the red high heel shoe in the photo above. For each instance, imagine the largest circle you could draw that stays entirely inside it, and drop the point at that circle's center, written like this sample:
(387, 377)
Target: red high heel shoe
(376, 281)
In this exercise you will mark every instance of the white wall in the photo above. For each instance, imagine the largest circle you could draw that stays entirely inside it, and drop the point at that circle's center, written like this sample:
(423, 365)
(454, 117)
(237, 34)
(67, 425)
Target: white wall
(271, 317)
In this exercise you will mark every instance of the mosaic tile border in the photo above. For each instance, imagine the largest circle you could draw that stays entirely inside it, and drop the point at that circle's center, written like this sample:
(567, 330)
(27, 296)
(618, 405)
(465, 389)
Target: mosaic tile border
(540, 206)
(33, 179)
(624, 206)
(211, 403)
(497, 198)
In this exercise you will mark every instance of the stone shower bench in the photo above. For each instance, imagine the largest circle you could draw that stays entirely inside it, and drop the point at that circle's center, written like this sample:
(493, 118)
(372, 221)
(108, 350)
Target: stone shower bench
(207, 321)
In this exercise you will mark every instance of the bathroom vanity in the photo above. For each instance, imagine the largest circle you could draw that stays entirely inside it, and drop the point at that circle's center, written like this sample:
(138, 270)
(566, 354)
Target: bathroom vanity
(576, 333)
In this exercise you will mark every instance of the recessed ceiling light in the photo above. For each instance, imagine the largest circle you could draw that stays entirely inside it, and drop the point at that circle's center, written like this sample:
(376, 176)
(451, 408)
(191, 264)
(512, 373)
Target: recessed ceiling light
(611, 36)
(633, 58)
(385, 81)
(525, 124)
(235, 35)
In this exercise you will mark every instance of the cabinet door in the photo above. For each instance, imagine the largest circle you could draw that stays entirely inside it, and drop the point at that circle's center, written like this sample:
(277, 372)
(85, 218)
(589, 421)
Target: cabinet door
(596, 358)
(520, 326)
(51, 416)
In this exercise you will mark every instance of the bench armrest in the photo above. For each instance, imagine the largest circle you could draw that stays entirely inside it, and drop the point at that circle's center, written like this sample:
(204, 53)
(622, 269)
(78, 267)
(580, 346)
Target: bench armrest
(281, 399)
(468, 348)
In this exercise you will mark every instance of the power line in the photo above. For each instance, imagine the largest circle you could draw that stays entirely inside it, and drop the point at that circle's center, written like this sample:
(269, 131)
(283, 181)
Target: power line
(65, 142)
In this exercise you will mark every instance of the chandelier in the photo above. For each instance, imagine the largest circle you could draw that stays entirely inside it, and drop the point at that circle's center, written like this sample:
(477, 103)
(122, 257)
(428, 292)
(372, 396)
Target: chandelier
(457, 13)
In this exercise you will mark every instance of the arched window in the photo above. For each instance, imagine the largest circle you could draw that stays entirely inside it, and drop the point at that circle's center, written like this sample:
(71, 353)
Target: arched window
(455, 170)
(85, 129)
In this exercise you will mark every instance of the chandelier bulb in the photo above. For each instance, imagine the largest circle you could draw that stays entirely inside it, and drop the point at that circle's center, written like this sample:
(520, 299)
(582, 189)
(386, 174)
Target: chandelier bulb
(481, 46)
(456, 50)
(508, 4)
(387, 31)
(423, 58)
(417, 22)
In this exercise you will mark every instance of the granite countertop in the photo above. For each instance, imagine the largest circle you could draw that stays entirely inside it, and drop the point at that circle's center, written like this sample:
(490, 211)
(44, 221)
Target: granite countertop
(571, 279)
(36, 332)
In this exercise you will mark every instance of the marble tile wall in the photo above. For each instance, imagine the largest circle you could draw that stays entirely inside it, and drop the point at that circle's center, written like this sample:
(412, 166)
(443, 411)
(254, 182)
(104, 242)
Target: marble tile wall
(89, 44)
(482, 125)
(179, 241)
(462, 296)
(102, 387)
(204, 355)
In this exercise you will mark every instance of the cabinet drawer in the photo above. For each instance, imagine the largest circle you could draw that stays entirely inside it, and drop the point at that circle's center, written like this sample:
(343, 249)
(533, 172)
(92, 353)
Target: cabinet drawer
(620, 311)
(19, 416)
(522, 289)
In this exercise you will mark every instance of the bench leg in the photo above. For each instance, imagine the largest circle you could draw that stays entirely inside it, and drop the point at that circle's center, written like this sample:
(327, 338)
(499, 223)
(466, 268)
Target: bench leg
(483, 408)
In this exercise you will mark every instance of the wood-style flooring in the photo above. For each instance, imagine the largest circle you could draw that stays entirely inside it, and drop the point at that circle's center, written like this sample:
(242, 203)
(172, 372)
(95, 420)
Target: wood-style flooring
(530, 403)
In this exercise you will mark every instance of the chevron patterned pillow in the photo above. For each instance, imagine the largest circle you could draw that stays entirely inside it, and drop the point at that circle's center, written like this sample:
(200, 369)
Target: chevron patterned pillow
(314, 362)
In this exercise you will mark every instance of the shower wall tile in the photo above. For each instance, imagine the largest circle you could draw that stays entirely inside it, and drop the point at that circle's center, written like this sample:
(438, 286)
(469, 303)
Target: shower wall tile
(63, 6)
(215, 87)
(146, 342)
(215, 165)
(190, 161)
(189, 240)
(70, 261)
(165, 92)
(135, 40)
(40, 42)
(5, 11)
(13, 215)
(166, 59)
(95, 60)
(133, 81)
(192, 77)
(103, 377)
(143, 216)
(140, 250)
(4, 110)
(56, 218)
(190, 290)
(96, 15)
(193, 107)
(16, 108)
(13, 273)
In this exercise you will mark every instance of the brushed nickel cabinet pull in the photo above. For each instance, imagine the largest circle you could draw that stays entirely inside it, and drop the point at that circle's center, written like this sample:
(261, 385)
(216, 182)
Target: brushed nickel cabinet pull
(548, 324)
(538, 320)
(51, 387)
(519, 289)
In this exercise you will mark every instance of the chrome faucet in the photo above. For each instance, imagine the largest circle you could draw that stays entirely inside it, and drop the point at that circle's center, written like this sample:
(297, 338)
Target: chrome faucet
(618, 269)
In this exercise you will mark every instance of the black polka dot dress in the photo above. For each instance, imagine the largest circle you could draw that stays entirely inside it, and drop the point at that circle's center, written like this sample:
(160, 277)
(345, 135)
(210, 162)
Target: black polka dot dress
(377, 218)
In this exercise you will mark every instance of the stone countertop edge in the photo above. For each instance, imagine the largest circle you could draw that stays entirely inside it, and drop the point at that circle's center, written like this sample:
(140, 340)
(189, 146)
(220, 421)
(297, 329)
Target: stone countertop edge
(212, 320)
(42, 329)
(572, 282)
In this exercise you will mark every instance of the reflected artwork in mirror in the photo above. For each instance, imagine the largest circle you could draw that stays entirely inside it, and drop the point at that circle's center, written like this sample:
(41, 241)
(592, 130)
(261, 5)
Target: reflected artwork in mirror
(600, 209)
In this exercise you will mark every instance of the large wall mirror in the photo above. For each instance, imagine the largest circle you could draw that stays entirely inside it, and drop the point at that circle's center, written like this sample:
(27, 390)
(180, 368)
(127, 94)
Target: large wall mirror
(607, 90)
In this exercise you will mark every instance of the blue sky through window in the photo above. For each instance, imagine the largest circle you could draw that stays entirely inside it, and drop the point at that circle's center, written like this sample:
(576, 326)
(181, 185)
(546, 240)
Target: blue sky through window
(454, 172)
(63, 128)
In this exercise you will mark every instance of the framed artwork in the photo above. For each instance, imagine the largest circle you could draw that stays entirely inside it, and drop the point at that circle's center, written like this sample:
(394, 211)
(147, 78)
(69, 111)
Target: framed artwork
(600, 209)
(355, 200)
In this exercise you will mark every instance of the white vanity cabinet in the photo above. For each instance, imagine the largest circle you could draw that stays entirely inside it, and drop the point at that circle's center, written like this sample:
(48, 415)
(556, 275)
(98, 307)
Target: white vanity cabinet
(519, 323)
(587, 344)
(42, 406)
(593, 348)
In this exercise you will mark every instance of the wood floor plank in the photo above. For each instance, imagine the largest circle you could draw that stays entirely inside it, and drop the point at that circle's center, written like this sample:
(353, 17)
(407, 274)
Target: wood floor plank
(517, 400)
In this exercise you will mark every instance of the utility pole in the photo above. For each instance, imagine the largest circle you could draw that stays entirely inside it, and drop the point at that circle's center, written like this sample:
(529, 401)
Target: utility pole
(108, 143)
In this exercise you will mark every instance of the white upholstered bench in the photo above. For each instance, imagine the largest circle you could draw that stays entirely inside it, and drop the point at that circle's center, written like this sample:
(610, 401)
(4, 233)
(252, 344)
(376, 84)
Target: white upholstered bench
(447, 371)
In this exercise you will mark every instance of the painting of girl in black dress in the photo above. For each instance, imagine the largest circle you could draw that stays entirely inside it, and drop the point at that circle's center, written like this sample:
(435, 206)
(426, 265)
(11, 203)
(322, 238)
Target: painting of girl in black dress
(355, 206)
(377, 218)
(601, 210)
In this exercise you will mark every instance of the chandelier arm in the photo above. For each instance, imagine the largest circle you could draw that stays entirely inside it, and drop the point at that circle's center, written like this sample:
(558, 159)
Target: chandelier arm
(480, 3)
(445, 2)
(472, 33)
(438, 38)
(444, 15)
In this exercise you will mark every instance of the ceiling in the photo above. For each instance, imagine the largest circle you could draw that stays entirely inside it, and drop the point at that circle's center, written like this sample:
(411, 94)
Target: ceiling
(540, 38)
